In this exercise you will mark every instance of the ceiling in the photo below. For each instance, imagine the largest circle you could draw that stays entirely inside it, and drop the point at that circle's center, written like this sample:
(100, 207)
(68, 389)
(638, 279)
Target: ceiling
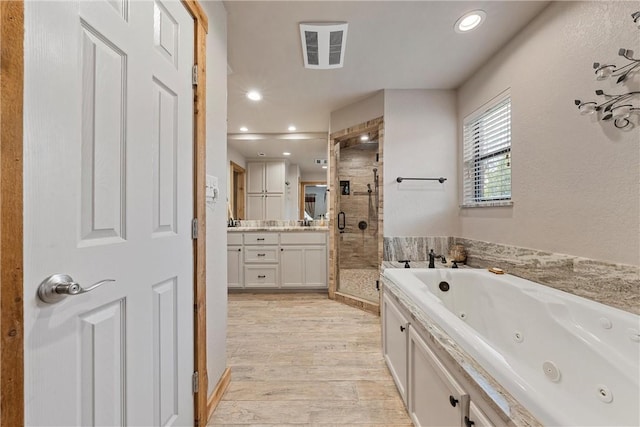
(390, 45)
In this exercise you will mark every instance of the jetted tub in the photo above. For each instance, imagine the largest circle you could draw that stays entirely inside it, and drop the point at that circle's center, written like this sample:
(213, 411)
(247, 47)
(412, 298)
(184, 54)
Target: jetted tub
(568, 360)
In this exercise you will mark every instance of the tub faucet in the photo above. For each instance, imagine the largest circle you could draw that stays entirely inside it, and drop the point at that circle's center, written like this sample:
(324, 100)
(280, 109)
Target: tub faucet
(432, 258)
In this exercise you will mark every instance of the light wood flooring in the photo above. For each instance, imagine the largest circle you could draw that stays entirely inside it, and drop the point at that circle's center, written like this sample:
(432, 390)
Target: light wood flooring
(302, 359)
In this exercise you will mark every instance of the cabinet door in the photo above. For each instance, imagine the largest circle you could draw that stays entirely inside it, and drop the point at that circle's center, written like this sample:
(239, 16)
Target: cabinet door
(274, 177)
(255, 177)
(234, 267)
(435, 398)
(477, 417)
(255, 206)
(315, 266)
(292, 264)
(394, 344)
(273, 206)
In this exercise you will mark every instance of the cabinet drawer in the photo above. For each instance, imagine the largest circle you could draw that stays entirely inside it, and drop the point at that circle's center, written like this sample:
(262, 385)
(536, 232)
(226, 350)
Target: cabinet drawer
(234, 238)
(261, 276)
(261, 254)
(260, 238)
(303, 238)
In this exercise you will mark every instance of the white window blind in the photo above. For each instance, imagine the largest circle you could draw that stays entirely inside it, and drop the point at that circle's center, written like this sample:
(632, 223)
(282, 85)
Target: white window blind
(487, 156)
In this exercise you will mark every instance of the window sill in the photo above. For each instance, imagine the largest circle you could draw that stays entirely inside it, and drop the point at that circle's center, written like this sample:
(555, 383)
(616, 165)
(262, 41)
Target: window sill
(496, 204)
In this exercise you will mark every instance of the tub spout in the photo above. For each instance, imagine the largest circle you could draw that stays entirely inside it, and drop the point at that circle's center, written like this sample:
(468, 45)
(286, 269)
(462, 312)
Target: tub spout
(432, 258)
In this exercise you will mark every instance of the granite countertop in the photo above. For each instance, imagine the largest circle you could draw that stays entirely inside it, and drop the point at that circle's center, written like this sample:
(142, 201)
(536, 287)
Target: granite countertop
(501, 401)
(278, 228)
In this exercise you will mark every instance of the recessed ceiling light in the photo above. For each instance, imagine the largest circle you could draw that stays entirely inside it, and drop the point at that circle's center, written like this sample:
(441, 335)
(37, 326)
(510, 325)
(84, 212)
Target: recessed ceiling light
(364, 138)
(469, 21)
(291, 128)
(324, 167)
(244, 129)
(286, 153)
(254, 95)
(261, 154)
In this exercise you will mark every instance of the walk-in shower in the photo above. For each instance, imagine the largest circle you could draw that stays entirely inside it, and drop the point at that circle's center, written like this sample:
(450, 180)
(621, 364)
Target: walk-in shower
(357, 207)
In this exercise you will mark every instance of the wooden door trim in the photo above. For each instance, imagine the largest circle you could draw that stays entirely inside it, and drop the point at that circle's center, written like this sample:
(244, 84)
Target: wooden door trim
(301, 195)
(239, 203)
(11, 210)
(201, 28)
(12, 405)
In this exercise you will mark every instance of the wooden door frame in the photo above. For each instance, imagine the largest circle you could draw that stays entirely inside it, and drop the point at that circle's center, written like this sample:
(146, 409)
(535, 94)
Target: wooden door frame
(301, 195)
(239, 203)
(12, 404)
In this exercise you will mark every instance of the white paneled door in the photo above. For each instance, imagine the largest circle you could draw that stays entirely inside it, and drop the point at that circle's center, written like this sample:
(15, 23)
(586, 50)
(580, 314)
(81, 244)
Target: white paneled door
(109, 195)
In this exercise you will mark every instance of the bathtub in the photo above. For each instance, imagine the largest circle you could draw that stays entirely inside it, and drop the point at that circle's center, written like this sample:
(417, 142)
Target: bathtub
(568, 360)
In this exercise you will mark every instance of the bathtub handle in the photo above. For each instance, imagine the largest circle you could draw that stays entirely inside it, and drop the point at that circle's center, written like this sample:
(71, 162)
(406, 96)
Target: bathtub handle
(468, 422)
(402, 328)
(453, 401)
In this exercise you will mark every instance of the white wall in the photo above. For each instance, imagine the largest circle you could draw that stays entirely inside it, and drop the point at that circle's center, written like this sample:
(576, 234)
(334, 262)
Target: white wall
(358, 112)
(575, 179)
(217, 214)
(292, 194)
(314, 176)
(420, 141)
(235, 157)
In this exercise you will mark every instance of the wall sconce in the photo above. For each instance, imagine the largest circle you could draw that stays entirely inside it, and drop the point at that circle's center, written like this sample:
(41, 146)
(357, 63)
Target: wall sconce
(615, 107)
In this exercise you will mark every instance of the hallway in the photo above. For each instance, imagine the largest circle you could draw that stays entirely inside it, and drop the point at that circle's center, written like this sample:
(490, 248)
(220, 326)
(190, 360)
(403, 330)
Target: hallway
(304, 359)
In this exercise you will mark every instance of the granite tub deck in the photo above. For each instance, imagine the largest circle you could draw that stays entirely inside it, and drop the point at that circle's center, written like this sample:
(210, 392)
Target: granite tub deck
(477, 380)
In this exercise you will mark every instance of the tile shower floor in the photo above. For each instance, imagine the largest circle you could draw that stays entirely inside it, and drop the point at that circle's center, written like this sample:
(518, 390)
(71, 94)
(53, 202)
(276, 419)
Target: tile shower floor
(306, 360)
(360, 282)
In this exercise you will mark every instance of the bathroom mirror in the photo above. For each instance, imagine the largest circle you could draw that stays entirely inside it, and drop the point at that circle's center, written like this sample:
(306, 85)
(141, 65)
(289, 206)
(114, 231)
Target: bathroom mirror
(313, 200)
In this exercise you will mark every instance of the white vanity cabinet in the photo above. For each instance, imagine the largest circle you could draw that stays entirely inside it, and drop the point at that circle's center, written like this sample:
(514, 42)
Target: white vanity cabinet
(261, 261)
(275, 260)
(235, 262)
(395, 333)
(303, 259)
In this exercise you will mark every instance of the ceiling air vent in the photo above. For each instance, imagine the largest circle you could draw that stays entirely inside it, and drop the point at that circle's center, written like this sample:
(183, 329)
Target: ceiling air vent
(323, 44)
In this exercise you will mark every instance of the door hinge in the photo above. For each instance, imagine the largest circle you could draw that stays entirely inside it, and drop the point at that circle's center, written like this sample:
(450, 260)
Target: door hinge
(195, 382)
(194, 75)
(194, 228)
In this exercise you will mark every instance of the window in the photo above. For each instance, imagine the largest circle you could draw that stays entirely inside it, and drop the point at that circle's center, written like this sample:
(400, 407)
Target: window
(487, 156)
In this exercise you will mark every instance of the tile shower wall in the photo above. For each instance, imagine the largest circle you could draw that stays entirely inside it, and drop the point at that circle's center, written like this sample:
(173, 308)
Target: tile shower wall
(358, 248)
(616, 285)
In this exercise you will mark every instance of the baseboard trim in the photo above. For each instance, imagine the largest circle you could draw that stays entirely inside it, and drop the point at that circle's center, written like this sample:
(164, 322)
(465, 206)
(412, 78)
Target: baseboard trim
(218, 392)
(360, 303)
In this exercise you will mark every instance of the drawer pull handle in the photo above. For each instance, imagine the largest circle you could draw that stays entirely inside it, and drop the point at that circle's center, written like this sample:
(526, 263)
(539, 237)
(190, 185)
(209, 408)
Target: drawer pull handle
(261, 276)
(453, 401)
(259, 239)
(262, 254)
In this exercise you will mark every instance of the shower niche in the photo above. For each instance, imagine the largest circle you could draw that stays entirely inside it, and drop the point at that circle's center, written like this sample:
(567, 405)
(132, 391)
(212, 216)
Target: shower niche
(356, 175)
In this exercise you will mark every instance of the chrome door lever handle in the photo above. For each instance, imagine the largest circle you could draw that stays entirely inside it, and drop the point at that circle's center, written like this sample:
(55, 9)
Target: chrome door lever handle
(56, 287)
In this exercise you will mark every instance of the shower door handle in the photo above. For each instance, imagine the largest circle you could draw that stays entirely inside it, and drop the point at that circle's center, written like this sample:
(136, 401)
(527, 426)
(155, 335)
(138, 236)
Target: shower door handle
(341, 220)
